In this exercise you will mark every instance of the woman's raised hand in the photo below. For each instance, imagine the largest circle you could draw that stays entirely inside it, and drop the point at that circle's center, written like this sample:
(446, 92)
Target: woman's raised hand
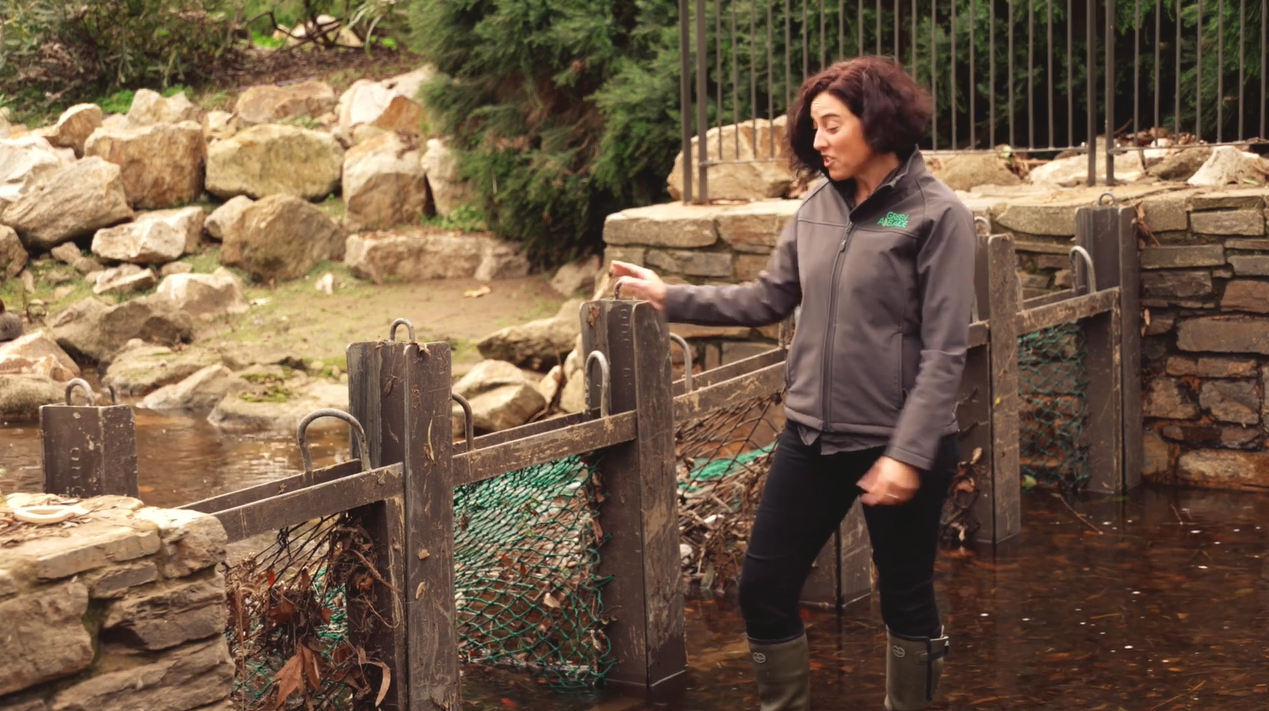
(638, 282)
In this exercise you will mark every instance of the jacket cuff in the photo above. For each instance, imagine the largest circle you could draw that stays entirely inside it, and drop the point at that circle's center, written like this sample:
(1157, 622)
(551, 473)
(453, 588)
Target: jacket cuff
(922, 462)
(676, 301)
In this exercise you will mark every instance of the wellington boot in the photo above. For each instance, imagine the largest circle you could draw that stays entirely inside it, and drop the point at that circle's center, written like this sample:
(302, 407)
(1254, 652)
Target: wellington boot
(913, 668)
(783, 672)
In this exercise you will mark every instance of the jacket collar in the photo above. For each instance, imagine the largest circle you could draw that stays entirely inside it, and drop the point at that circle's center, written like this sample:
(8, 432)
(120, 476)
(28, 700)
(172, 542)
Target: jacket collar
(907, 174)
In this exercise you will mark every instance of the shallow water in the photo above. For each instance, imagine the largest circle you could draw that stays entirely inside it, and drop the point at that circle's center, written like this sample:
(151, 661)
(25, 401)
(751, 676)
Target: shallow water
(1164, 607)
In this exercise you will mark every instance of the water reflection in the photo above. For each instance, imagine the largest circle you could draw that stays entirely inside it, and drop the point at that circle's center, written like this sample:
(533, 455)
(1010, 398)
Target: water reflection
(180, 457)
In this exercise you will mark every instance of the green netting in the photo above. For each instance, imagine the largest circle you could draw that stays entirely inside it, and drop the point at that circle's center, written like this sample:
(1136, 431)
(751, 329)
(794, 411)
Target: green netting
(527, 581)
(1052, 388)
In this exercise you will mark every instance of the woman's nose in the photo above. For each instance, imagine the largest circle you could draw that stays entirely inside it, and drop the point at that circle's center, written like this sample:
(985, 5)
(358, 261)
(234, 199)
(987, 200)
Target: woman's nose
(820, 142)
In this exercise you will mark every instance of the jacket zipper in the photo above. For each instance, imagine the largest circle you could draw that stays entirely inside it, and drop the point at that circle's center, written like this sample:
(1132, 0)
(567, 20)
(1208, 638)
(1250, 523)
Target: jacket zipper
(827, 376)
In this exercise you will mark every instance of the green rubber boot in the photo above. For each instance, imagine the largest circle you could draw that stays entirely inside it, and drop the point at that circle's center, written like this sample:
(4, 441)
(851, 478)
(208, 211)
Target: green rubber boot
(913, 668)
(783, 672)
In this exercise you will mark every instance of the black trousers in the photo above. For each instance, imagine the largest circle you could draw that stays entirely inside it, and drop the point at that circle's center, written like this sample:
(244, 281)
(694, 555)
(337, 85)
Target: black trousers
(807, 495)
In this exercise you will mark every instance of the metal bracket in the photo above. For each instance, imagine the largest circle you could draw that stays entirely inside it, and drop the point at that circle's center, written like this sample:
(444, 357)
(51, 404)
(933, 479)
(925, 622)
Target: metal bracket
(687, 361)
(1088, 263)
(605, 376)
(358, 431)
(409, 327)
(469, 427)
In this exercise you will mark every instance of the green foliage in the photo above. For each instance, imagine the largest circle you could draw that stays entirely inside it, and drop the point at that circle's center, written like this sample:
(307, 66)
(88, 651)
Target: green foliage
(463, 219)
(117, 103)
(520, 90)
(56, 52)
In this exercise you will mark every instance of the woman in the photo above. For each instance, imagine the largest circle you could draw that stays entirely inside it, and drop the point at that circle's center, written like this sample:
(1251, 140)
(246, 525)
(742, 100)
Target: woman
(880, 258)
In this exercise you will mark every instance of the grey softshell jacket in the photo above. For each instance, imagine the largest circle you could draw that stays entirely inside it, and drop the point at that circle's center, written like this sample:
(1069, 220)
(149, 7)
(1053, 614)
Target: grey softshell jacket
(886, 291)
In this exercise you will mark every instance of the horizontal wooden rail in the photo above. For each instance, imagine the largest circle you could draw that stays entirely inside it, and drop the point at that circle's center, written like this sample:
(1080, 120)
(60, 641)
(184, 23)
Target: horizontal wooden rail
(731, 370)
(1067, 311)
(523, 431)
(488, 462)
(260, 492)
(702, 401)
(1036, 302)
(308, 503)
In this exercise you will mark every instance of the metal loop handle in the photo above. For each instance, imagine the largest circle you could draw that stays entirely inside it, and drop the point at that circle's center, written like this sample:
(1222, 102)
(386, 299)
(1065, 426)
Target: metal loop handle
(114, 395)
(358, 432)
(1114, 201)
(1088, 263)
(687, 361)
(469, 427)
(605, 379)
(409, 327)
(973, 309)
(88, 391)
(979, 219)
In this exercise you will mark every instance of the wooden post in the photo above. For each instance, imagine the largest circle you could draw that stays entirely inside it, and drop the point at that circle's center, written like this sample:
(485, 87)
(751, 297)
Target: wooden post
(431, 616)
(377, 621)
(855, 557)
(1109, 234)
(1006, 482)
(1103, 431)
(974, 416)
(89, 451)
(639, 514)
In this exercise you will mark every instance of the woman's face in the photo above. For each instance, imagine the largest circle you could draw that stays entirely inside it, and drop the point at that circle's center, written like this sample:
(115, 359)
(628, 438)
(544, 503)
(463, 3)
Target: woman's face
(839, 137)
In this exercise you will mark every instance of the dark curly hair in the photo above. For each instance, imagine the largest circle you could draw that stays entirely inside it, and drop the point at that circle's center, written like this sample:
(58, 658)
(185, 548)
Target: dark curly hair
(892, 106)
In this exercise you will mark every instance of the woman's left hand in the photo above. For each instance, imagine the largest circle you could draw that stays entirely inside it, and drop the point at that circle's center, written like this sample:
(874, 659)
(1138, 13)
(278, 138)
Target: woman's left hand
(889, 482)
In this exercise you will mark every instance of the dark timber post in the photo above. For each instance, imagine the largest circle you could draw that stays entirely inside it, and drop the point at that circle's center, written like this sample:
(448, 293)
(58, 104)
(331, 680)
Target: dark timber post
(639, 514)
(854, 557)
(1109, 234)
(88, 450)
(377, 622)
(1006, 482)
(973, 410)
(432, 636)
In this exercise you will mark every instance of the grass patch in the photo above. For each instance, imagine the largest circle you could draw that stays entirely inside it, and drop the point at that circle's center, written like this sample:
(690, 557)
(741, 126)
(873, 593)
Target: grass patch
(268, 387)
(334, 207)
(463, 219)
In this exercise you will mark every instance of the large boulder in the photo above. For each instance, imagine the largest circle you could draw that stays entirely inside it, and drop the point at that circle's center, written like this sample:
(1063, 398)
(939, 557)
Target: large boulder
(227, 218)
(22, 395)
(154, 238)
(201, 390)
(403, 116)
(149, 108)
(408, 84)
(420, 255)
(123, 279)
(575, 277)
(24, 162)
(500, 395)
(274, 104)
(162, 164)
(204, 296)
(74, 127)
(384, 184)
(141, 367)
(1073, 171)
(76, 201)
(449, 190)
(96, 331)
(282, 237)
(1228, 166)
(538, 344)
(218, 125)
(69, 253)
(761, 173)
(970, 170)
(362, 103)
(261, 404)
(1180, 164)
(37, 354)
(13, 256)
(275, 160)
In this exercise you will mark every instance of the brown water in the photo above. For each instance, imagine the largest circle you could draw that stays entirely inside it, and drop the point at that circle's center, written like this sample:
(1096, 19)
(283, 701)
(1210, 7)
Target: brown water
(1165, 607)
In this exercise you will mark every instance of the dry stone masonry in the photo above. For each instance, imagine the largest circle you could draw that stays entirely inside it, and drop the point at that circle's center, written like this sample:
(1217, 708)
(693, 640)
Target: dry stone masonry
(118, 607)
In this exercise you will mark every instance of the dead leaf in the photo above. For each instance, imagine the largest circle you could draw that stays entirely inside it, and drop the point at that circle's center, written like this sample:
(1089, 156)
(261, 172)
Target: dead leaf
(477, 293)
(423, 554)
(550, 601)
(288, 680)
(418, 593)
(384, 684)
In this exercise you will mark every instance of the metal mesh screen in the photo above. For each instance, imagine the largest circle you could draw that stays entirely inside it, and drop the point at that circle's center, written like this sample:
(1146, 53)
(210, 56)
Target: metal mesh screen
(527, 582)
(288, 619)
(723, 460)
(1052, 388)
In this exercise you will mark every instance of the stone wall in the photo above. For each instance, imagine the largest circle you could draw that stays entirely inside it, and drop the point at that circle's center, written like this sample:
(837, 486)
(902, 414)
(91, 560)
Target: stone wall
(118, 608)
(1205, 298)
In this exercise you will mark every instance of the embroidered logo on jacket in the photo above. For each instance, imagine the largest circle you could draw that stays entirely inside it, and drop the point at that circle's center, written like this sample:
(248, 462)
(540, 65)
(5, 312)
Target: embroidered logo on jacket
(894, 219)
